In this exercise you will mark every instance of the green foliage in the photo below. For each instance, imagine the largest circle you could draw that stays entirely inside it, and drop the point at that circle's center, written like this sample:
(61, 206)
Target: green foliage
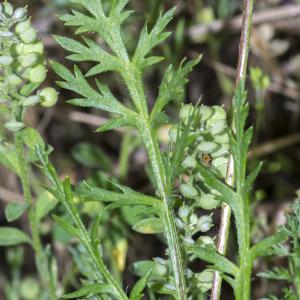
(12, 236)
(108, 26)
(15, 210)
(23, 70)
(189, 176)
(290, 274)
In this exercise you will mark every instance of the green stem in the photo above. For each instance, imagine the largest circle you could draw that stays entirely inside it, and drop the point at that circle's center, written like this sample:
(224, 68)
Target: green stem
(94, 252)
(166, 215)
(242, 218)
(125, 151)
(133, 79)
(244, 48)
(33, 221)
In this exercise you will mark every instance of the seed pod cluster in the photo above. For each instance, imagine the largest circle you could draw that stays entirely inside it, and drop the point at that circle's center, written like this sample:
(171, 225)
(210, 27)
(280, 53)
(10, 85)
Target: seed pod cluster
(210, 147)
(191, 224)
(22, 65)
(208, 144)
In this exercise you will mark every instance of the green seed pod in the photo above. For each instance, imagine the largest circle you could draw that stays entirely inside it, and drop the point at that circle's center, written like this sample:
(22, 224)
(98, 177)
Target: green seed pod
(173, 133)
(37, 47)
(206, 112)
(28, 60)
(185, 112)
(49, 97)
(219, 113)
(15, 256)
(29, 289)
(204, 280)
(14, 126)
(8, 9)
(183, 212)
(37, 74)
(31, 101)
(29, 36)
(223, 150)
(188, 240)
(189, 162)
(216, 163)
(6, 60)
(188, 191)
(19, 14)
(170, 287)
(193, 219)
(160, 269)
(179, 223)
(205, 223)
(222, 170)
(205, 276)
(222, 138)
(207, 147)
(14, 79)
(218, 127)
(23, 26)
(205, 241)
(6, 33)
(208, 202)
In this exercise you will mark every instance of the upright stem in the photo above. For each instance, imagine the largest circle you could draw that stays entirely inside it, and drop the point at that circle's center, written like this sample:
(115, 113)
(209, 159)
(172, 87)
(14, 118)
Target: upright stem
(33, 221)
(166, 215)
(244, 47)
(134, 82)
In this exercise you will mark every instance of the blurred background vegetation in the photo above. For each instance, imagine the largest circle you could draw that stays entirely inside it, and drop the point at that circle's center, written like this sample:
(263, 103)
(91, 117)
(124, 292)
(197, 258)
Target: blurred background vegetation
(210, 27)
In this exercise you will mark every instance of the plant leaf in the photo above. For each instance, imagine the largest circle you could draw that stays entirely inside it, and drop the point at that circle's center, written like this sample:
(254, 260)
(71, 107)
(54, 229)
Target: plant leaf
(15, 210)
(277, 273)
(265, 247)
(91, 156)
(136, 293)
(71, 230)
(220, 262)
(113, 124)
(10, 236)
(149, 226)
(172, 86)
(89, 291)
(149, 40)
(45, 203)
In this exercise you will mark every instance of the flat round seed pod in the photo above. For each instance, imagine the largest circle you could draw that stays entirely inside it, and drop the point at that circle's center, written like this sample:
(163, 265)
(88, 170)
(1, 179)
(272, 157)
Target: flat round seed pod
(49, 97)
(6, 60)
(218, 127)
(222, 151)
(188, 191)
(189, 162)
(28, 36)
(38, 74)
(28, 60)
(206, 112)
(22, 27)
(14, 125)
(207, 147)
(222, 138)
(207, 202)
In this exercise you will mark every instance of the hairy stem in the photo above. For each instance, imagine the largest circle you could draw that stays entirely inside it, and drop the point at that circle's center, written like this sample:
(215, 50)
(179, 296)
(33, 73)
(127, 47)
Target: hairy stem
(244, 47)
(166, 215)
(134, 82)
(33, 221)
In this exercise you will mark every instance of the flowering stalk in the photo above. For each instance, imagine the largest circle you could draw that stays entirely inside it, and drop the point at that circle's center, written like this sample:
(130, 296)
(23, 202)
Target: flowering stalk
(22, 71)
